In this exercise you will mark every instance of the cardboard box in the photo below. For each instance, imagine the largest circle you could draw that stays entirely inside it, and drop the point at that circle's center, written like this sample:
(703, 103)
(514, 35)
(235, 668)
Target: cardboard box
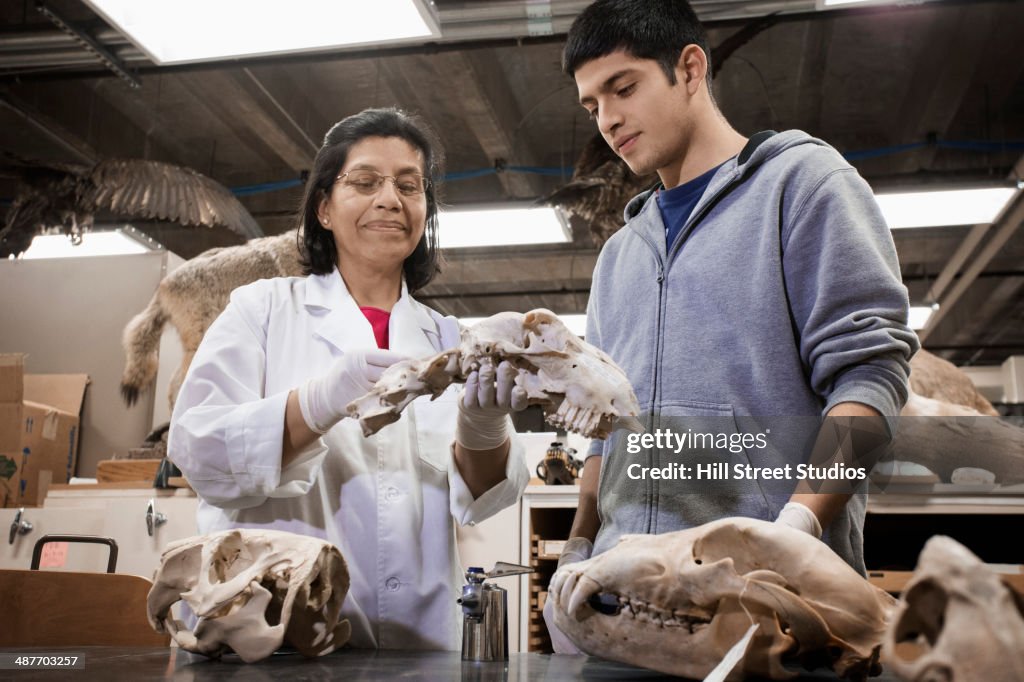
(38, 435)
(12, 367)
(11, 370)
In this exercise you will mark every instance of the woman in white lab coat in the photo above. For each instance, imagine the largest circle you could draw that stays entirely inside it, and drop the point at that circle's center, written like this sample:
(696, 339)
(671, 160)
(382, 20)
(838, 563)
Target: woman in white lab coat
(259, 427)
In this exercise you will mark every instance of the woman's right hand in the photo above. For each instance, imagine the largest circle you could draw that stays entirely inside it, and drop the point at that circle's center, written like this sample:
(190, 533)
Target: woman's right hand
(323, 399)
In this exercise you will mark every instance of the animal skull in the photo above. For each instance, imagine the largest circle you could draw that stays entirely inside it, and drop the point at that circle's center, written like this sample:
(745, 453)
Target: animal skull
(956, 621)
(579, 387)
(678, 602)
(252, 590)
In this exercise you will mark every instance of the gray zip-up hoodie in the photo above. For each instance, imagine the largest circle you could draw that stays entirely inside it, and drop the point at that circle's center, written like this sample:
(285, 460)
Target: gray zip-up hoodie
(781, 297)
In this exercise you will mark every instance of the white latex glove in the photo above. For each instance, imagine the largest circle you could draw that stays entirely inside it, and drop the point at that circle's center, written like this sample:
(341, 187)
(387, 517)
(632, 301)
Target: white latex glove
(796, 515)
(323, 399)
(575, 550)
(489, 396)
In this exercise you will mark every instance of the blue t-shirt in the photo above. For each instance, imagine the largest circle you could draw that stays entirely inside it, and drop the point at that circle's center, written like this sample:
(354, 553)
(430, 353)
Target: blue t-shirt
(677, 204)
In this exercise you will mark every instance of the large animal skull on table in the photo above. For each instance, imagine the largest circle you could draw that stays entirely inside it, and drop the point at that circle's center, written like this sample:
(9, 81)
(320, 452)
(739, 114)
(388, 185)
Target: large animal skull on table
(677, 602)
(956, 621)
(579, 387)
(252, 590)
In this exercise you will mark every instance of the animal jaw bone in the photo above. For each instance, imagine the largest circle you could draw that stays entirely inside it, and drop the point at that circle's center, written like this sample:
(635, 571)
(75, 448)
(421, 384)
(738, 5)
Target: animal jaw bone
(956, 621)
(252, 590)
(677, 602)
(577, 385)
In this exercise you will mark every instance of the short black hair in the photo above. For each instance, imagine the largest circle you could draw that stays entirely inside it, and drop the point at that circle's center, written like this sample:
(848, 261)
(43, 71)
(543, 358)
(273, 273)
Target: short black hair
(316, 243)
(645, 29)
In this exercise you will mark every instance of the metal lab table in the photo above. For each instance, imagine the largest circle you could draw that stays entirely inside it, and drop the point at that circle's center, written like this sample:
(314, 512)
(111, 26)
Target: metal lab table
(142, 664)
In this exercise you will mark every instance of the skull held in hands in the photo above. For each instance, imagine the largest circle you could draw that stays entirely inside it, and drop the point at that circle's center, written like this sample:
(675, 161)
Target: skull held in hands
(252, 590)
(579, 387)
(677, 602)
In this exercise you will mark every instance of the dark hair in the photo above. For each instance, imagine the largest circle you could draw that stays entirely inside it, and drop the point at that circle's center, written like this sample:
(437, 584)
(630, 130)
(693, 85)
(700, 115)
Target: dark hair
(645, 29)
(316, 243)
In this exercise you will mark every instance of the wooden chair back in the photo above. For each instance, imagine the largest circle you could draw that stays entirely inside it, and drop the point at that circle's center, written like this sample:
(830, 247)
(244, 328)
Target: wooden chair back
(62, 609)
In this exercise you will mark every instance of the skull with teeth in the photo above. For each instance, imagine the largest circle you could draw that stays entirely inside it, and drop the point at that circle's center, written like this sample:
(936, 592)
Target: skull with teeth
(579, 387)
(251, 591)
(956, 621)
(678, 602)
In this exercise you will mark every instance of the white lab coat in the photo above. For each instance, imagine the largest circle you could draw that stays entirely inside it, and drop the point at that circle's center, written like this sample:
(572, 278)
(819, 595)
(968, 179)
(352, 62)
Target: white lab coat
(388, 502)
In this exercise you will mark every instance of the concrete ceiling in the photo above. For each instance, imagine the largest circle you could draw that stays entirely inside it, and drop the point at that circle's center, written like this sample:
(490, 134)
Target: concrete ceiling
(867, 80)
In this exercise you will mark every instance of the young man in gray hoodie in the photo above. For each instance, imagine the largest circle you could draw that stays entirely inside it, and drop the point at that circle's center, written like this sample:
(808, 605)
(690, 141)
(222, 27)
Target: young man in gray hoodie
(759, 280)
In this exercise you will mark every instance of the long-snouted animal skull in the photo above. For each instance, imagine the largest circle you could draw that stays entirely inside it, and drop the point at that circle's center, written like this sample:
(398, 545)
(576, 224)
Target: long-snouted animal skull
(678, 602)
(956, 621)
(579, 387)
(252, 590)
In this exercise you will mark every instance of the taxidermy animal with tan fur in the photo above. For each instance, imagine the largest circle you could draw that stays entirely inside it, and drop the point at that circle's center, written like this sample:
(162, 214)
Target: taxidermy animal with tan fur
(191, 298)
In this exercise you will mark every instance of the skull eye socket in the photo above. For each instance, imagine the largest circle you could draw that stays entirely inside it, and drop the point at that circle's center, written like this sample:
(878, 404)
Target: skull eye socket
(605, 603)
(927, 601)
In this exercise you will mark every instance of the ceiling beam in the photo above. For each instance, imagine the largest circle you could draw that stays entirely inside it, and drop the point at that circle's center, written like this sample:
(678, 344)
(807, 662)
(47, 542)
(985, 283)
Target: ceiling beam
(409, 78)
(956, 261)
(940, 81)
(493, 115)
(299, 92)
(293, 130)
(153, 122)
(239, 100)
(90, 44)
(809, 92)
(991, 317)
(1003, 229)
(49, 127)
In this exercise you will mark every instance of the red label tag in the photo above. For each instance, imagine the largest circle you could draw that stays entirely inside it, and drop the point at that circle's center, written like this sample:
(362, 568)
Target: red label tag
(55, 555)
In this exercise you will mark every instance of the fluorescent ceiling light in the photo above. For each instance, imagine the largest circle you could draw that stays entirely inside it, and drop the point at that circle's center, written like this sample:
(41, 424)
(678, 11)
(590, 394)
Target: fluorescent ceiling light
(182, 31)
(920, 314)
(502, 226)
(114, 243)
(936, 209)
(839, 3)
(577, 323)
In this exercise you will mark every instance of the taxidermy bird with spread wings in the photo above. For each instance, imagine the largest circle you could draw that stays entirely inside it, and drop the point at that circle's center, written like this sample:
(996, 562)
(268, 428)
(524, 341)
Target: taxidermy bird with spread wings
(67, 197)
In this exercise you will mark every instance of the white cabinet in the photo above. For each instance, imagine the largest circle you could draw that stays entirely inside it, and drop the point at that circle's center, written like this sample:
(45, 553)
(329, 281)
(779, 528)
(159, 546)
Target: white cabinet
(116, 513)
(18, 554)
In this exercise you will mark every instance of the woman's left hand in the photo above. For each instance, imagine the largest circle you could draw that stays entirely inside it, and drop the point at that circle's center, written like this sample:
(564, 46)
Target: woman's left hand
(490, 395)
(494, 390)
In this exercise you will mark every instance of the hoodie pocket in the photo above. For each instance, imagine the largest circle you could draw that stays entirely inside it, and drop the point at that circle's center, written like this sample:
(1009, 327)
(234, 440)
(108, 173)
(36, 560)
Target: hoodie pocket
(696, 432)
(705, 438)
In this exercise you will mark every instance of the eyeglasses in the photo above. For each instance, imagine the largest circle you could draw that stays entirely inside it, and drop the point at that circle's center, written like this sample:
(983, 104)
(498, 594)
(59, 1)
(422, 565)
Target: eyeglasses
(369, 182)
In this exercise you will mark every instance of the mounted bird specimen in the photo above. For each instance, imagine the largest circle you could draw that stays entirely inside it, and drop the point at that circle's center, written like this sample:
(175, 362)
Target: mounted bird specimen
(66, 198)
(600, 187)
